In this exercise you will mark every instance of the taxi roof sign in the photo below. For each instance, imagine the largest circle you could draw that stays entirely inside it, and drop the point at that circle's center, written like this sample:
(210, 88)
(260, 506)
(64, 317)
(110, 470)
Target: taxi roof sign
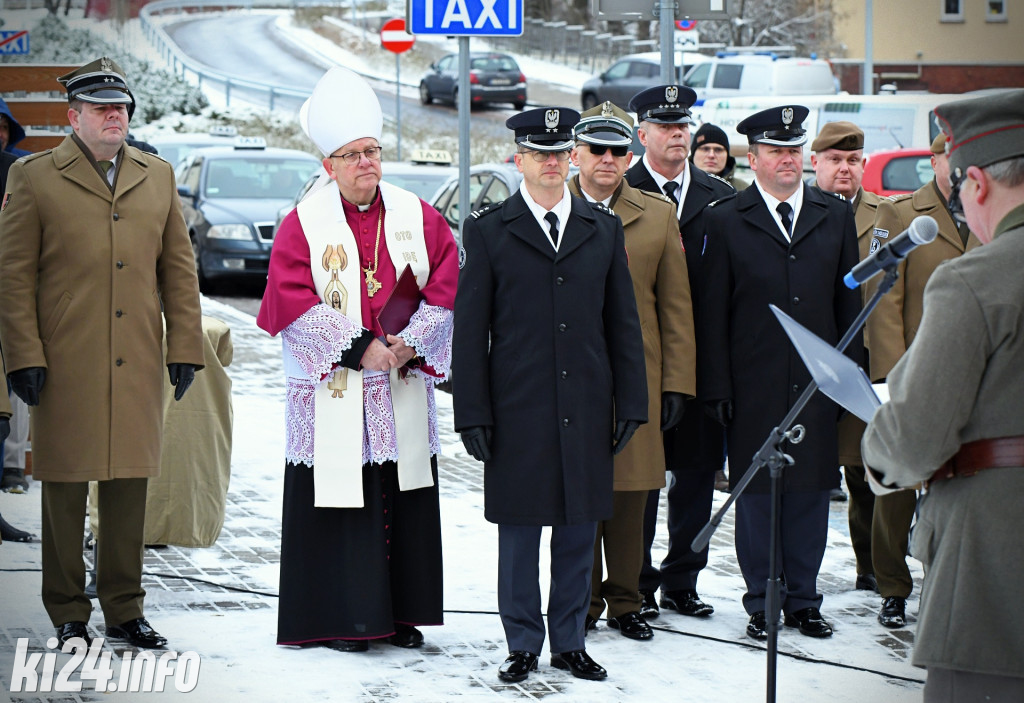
(250, 143)
(431, 156)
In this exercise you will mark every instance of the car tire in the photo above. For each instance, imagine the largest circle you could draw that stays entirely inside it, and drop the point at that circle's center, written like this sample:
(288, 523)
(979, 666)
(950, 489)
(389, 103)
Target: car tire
(204, 283)
(425, 97)
(519, 106)
(589, 101)
(455, 98)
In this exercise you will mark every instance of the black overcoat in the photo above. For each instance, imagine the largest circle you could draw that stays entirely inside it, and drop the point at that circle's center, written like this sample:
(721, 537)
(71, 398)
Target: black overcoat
(545, 345)
(744, 353)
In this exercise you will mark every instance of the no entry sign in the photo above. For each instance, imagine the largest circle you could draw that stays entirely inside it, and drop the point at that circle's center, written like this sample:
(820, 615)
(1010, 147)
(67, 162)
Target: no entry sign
(393, 36)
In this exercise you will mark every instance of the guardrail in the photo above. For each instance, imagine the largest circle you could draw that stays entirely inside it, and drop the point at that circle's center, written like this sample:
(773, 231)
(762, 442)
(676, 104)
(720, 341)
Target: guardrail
(183, 66)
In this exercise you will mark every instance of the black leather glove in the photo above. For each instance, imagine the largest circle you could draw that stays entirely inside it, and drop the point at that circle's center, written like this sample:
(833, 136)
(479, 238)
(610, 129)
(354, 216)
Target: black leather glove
(5, 428)
(624, 429)
(672, 406)
(477, 441)
(182, 376)
(27, 383)
(721, 410)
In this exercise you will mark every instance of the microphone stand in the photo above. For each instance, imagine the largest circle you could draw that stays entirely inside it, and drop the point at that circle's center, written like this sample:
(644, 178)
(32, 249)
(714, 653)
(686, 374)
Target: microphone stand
(771, 455)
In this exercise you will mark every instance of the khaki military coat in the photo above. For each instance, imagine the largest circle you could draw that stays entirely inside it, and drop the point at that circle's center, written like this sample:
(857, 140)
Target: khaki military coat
(894, 323)
(662, 290)
(851, 427)
(83, 274)
(962, 380)
(5, 401)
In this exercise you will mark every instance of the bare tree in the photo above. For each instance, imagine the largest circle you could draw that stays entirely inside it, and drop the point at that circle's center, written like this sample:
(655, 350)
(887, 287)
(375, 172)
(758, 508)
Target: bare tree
(804, 24)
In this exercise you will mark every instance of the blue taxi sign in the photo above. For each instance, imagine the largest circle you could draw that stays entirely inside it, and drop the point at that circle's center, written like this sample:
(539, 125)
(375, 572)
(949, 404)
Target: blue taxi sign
(466, 18)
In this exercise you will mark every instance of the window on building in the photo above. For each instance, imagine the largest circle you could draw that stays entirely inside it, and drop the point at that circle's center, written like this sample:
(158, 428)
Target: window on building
(952, 10)
(995, 11)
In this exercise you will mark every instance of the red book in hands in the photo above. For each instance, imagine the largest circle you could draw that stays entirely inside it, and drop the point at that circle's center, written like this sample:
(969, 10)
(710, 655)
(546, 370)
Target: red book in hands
(403, 301)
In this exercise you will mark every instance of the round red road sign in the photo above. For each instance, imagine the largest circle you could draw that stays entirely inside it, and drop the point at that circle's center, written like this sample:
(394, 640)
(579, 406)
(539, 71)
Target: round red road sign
(393, 36)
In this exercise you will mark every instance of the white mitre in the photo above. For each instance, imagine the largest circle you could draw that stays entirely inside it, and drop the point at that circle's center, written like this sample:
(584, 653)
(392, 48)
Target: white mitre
(342, 108)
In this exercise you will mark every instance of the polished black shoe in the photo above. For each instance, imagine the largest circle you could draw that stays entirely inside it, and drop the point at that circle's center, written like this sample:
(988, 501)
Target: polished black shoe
(649, 606)
(406, 636)
(13, 481)
(757, 627)
(589, 624)
(580, 664)
(69, 630)
(632, 625)
(10, 533)
(810, 622)
(837, 495)
(867, 582)
(517, 666)
(347, 645)
(686, 603)
(893, 613)
(137, 632)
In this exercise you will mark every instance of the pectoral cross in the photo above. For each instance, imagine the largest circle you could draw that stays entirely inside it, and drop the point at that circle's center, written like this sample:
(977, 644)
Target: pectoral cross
(372, 284)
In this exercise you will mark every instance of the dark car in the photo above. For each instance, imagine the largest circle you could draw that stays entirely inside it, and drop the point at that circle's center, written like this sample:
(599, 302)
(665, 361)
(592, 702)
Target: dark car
(493, 78)
(488, 184)
(230, 198)
(629, 75)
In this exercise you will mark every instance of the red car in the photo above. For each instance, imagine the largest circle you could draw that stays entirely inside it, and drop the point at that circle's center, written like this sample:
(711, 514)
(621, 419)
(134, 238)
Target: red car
(894, 171)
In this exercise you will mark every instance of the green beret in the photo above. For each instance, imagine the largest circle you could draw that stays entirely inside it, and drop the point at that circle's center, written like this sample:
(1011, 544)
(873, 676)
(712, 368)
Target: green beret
(844, 136)
(939, 144)
(983, 131)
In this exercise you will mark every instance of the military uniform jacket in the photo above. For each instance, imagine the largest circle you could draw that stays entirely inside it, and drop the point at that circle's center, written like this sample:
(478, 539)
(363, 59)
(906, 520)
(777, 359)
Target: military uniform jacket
(544, 345)
(962, 380)
(83, 273)
(662, 290)
(744, 354)
(894, 323)
(703, 190)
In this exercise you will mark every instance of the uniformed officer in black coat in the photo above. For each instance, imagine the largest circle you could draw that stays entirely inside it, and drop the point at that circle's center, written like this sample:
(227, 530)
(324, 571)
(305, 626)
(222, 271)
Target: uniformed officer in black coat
(782, 242)
(695, 447)
(551, 380)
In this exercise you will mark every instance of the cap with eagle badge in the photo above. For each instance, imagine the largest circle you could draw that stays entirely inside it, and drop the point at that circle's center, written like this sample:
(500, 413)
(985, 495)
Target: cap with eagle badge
(664, 104)
(101, 82)
(778, 126)
(544, 128)
(606, 124)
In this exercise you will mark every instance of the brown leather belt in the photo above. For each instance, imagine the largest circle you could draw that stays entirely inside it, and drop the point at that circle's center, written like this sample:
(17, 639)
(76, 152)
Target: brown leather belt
(996, 453)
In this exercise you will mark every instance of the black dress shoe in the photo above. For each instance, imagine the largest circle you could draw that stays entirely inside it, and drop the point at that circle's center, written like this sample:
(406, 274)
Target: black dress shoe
(580, 664)
(810, 622)
(893, 613)
(517, 666)
(867, 582)
(686, 603)
(10, 533)
(69, 630)
(649, 606)
(137, 632)
(758, 626)
(631, 625)
(406, 636)
(589, 624)
(347, 645)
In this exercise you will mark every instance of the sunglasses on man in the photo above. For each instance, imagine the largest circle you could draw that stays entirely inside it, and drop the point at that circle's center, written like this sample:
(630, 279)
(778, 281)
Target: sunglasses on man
(599, 149)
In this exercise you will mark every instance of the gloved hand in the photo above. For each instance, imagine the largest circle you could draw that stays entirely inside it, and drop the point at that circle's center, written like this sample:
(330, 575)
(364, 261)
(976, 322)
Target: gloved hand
(182, 376)
(624, 429)
(27, 383)
(721, 410)
(477, 441)
(5, 428)
(672, 405)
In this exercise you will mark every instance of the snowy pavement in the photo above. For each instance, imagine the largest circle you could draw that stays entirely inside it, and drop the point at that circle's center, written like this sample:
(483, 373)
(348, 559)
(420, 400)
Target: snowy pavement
(219, 602)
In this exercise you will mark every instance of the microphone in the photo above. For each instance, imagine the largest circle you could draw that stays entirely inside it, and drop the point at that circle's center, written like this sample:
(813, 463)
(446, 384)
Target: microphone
(922, 230)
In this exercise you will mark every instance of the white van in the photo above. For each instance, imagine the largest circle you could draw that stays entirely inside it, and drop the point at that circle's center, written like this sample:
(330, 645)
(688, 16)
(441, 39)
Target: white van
(734, 75)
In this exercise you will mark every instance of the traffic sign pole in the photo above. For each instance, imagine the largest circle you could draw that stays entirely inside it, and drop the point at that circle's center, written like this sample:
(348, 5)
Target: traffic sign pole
(393, 37)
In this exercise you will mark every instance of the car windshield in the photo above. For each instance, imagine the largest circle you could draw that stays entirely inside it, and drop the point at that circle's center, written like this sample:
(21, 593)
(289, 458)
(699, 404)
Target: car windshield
(494, 63)
(257, 177)
(422, 184)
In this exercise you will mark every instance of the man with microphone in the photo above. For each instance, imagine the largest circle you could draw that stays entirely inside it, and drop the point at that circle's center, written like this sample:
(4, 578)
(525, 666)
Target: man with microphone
(782, 242)
(890, 330)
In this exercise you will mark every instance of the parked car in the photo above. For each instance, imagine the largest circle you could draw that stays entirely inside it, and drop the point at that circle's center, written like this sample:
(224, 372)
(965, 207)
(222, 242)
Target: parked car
(230, 198)
(894, 171)
(488, 184)
(631, 74)
(734, 75)
(173, 147)
(493, 78)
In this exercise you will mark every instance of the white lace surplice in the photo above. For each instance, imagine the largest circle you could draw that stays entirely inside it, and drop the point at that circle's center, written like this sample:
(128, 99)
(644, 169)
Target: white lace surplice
(317, 339)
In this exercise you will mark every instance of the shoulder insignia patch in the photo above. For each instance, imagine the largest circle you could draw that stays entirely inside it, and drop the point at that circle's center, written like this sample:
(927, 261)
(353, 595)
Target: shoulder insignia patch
(879, 232)
(838, 196)
(719, 178)
(899, 196)
(603, 208)
(730, 196)
(477, 214)
(462, 256)
(7, 199)
(32, 157)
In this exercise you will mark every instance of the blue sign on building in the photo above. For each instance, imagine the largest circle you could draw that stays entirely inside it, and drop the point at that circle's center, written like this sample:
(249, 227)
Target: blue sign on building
(14, 42)
(477, 18)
